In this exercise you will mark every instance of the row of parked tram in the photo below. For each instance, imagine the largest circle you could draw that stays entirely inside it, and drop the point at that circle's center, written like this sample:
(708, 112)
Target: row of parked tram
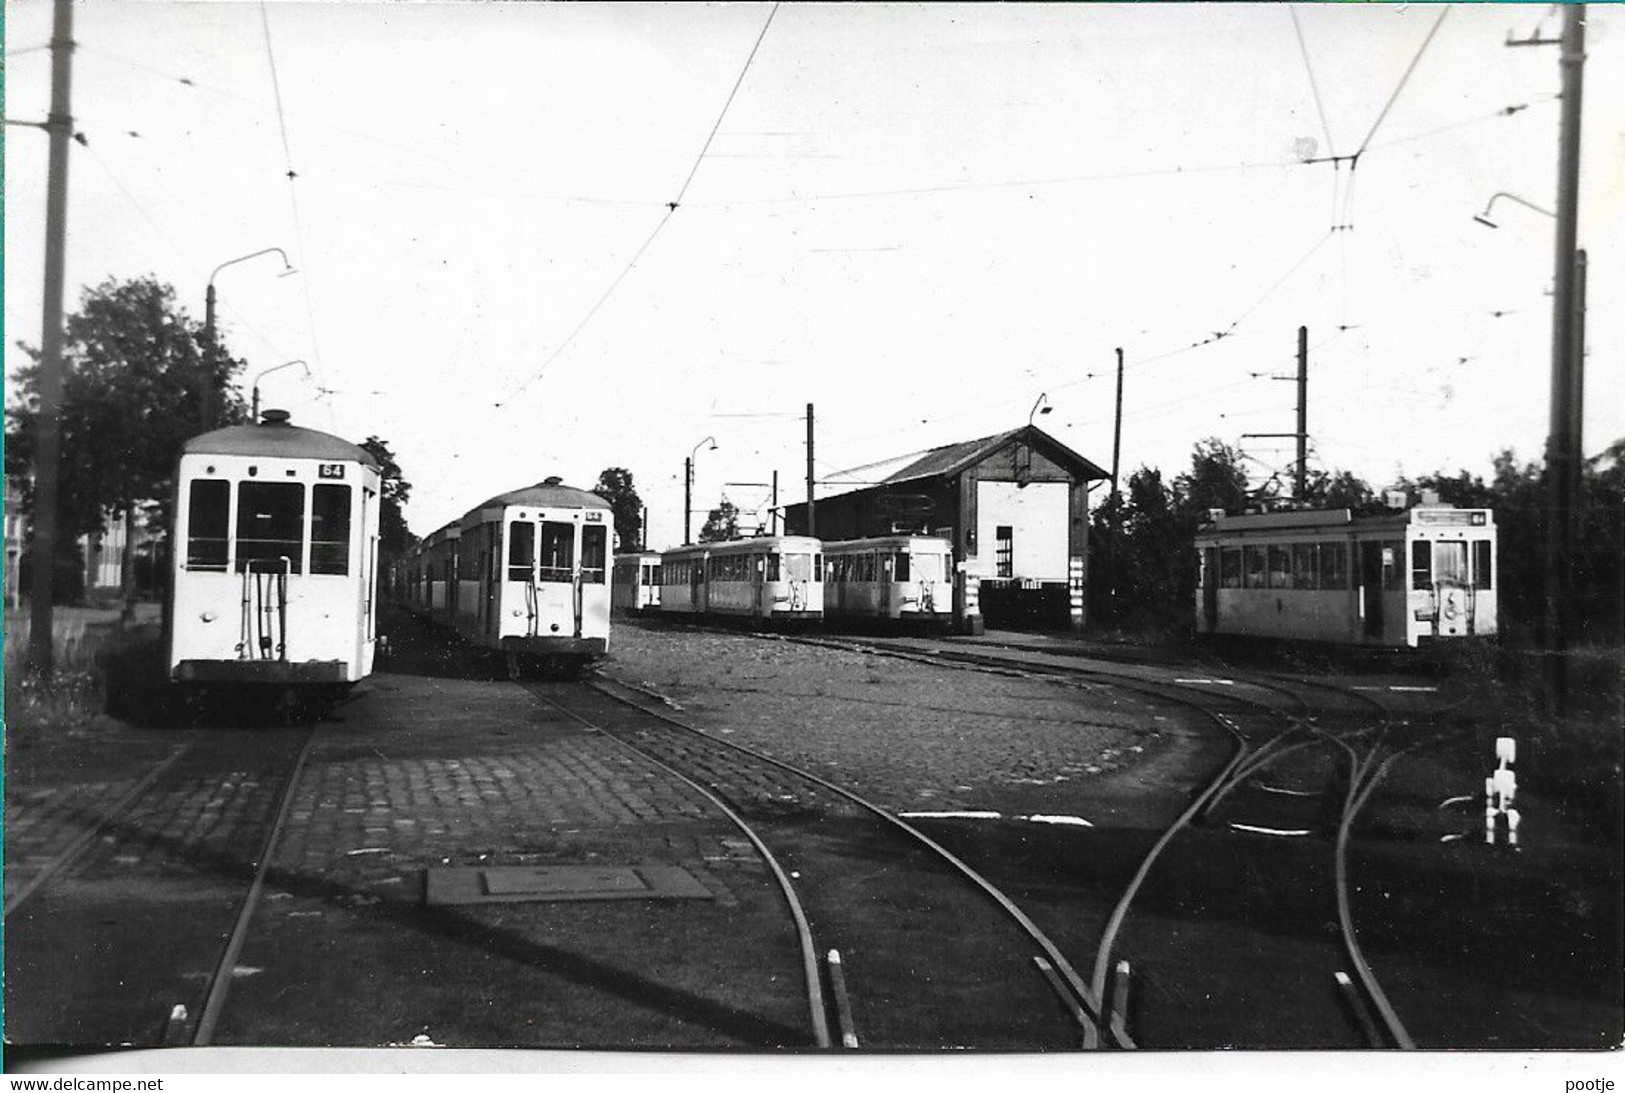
(899, 579)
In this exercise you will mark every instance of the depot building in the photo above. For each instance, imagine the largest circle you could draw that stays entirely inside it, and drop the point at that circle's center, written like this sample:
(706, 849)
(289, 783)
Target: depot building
(1015, 506)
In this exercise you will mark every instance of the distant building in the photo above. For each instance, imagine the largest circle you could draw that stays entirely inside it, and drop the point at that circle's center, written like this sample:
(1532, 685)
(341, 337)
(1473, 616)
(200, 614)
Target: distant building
(1015, 506)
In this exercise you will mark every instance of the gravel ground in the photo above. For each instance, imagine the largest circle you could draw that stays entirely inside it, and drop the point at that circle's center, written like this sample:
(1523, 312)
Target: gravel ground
(910, 736)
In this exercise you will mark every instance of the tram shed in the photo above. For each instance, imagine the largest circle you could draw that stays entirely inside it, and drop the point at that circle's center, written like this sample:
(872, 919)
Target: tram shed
(1014, 505)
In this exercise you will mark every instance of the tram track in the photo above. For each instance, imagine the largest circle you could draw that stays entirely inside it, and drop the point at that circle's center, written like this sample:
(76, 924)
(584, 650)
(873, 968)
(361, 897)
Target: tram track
(1269, 722)
(136, 925)
(910, 957)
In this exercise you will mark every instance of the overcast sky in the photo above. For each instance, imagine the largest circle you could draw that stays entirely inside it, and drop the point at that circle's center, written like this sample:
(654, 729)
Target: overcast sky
(918, 217)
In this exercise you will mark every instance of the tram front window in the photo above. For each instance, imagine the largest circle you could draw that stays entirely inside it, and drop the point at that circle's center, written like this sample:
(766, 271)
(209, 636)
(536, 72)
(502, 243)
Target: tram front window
(558, 551)
(1450, 562)
(270, 524)
(798, 567)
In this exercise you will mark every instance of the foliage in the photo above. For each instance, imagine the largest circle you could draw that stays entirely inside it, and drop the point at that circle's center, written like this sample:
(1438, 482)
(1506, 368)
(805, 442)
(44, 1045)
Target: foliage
(721, 524)
(133, 370)
(615, 486)
(394, 538)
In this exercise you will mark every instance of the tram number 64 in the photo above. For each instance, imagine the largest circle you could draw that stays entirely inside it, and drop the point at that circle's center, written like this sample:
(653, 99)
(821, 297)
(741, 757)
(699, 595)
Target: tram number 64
(330, 470)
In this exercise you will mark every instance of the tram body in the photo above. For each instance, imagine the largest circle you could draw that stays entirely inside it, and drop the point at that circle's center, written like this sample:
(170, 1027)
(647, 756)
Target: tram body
(525, 574)
(890, 579)
(274, 570)
(1426, 574)
(637, 583)
(768, 579)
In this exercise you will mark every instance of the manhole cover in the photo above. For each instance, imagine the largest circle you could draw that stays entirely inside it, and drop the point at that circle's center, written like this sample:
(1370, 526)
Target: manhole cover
(518, 883)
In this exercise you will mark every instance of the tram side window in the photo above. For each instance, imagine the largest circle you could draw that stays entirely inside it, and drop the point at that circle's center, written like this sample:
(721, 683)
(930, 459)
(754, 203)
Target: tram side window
(1230, 567)
(558, 551)
(270, 524)
(900, 566)
(1252, 561)
(1280, 567)
(818, 567)
(1306, 565)
(521, 549)
(330, 529)
(594, 543)
(207, 508)
(1421, 565)
(1334, 566)
(1483, 571)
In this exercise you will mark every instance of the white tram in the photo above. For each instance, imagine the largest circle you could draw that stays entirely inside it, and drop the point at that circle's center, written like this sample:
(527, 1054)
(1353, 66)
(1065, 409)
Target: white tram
(637, 583)
(1396, 580)
(273, 578)
(768, 579)
(526, 573)
(892, 579)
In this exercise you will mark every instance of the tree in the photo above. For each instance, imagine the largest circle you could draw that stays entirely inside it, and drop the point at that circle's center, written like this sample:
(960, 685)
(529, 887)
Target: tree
(393, 492)
(615, 486)
(133, 371)
(1340, 490)
(721, 524)
(1216, 480)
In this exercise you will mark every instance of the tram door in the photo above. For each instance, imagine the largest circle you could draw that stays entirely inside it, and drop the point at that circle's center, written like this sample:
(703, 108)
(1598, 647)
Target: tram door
(1210, 589)
(1371, 588)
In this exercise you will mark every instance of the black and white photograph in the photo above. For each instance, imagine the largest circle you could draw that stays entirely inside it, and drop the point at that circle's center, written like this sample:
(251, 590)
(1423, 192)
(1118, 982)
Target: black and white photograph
(672, 537)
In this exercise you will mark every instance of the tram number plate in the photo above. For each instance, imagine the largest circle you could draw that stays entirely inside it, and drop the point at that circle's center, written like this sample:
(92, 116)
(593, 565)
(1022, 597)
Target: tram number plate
(330, 470)
(595, 517)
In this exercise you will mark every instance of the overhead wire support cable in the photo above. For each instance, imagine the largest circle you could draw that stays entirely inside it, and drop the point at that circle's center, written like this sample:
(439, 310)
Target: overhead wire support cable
(671, 207)
(1314, 86)
(293, 196)
(1444, 11)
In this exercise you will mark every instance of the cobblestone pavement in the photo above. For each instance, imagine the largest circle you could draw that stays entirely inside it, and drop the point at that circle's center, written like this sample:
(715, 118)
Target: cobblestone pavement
(911, 736)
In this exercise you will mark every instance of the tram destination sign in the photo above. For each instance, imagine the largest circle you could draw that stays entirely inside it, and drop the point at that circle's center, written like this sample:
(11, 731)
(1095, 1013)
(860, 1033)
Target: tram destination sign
(1450, 517)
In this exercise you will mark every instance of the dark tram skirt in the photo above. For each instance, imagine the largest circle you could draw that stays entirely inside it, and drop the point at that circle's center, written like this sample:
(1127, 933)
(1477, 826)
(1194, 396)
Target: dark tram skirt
(261, 671)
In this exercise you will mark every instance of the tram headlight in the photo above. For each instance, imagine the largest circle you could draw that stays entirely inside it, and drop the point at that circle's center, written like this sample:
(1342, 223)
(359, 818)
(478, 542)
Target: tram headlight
(207, 616)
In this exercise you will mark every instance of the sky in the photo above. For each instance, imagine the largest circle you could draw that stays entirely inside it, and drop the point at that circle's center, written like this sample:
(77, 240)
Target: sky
(919, 218)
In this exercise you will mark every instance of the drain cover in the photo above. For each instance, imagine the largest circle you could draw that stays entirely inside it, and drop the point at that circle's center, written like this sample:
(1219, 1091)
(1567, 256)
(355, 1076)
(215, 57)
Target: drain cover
(520, 883)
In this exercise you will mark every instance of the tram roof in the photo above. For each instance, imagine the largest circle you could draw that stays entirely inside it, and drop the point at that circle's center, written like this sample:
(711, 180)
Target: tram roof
(274, 436)
(549, 493)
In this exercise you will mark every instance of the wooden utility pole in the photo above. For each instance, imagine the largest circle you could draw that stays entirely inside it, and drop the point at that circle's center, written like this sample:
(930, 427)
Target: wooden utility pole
(48, 449)
(1117, 422)
(1301, 483)
(812, 519)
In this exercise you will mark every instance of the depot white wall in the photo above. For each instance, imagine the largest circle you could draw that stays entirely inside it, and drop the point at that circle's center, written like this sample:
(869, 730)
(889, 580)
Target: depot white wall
(1037, 516)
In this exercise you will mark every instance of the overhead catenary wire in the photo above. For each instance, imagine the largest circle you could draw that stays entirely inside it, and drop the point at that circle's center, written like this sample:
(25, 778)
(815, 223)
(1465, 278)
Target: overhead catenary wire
(1314, 85)
(671, 207)
(293, 202)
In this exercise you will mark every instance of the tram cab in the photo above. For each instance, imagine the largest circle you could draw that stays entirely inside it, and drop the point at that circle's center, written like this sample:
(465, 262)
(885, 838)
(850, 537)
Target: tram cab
(1421, 575)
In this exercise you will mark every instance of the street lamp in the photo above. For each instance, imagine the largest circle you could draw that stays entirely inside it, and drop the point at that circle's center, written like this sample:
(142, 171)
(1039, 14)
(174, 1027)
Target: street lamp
(208, 327)
(255, 415)
(1043, 400)
(688, 485)
(1484, 217)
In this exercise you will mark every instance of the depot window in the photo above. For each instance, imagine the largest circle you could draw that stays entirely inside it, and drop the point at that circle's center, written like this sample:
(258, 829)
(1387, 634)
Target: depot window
(558, 551)
(1004, 552)
(521, 549)
(207, 523)
(330, 529)
(270, 525)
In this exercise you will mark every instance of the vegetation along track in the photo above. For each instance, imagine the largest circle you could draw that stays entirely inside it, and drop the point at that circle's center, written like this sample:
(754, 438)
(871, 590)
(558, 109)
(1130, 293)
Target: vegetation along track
(1291, 728)
(131, 933)
(905, 946)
